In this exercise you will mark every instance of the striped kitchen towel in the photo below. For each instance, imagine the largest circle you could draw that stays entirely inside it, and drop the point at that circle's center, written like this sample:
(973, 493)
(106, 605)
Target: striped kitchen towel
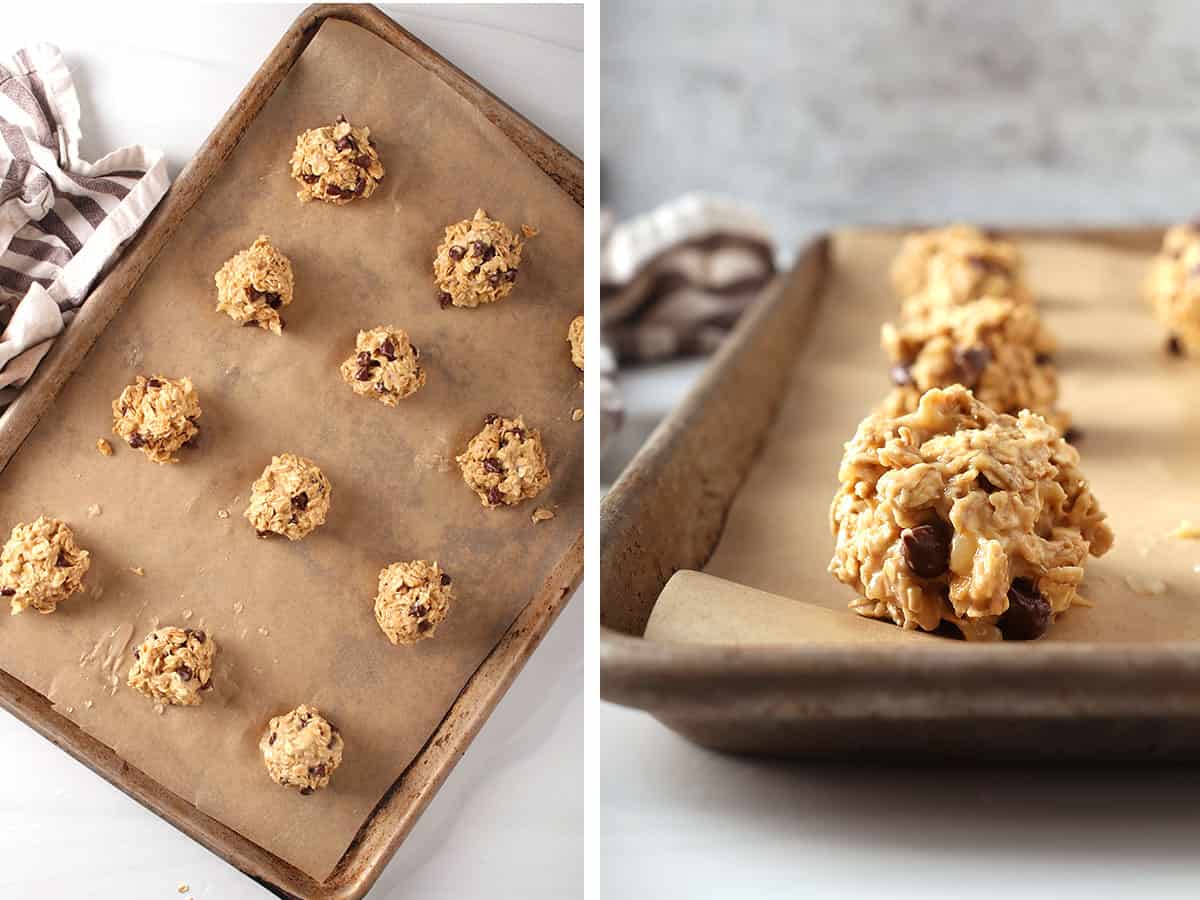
(62, 220)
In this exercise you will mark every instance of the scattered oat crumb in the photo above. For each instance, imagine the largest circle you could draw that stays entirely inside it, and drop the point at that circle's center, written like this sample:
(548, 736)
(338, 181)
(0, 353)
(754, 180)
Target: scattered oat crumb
(238, 606)
(159, 708)
(529, 231)
(88, 704)
(541, 514)
(1083, 601)
(94, 510)
(183, 888)
(242, 634)
(186, 614)
(222, 514)
(1150, 587)
(1186, 531)
(577, 415)
(70, 709)
(104, 447)
(138, 571)
(265, 632)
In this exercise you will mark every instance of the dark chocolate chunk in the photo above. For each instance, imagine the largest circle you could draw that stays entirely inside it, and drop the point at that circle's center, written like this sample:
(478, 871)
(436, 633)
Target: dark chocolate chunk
(1028, 613)
(445, 578)
(495, 497)
(363, 161)
(983, 481)
(305, 791)
(490, 418)
(456, 253)
(346, 143)
(364, 357)
(318, 770)
(363, 374)
(136, 440)
(360, 186)
(200, 637)
(445, 299)
(478, 248)
(333, 190)
(1072, 435)
(309, 178)
(424, 625)
(419, 610)
(388, 350)
(8, 592)
(1174, 345)
(1043, 359)
(494, 279)
(273, 300)
(971, 363)
(185, 673)
(900, 375)
(271, 740)
(62, 562)
(926, 549)
(493, 465)
(300, 501)
(153, 382)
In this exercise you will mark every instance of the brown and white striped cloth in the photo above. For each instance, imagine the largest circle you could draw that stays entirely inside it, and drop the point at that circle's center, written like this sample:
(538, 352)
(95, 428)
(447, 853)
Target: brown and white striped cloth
(673, 282)
(62, 220)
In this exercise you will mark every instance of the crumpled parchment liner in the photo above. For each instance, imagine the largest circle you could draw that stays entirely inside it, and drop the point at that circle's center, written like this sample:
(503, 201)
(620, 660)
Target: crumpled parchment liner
(294, 620)
(1138, 408)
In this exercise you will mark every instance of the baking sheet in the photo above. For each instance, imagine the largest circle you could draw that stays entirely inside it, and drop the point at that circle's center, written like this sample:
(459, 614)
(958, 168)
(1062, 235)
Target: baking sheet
(294, 621)
(1137, 407)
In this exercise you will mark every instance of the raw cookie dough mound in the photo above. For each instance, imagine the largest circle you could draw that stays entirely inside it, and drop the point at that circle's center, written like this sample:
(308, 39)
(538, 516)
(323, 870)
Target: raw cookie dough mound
(477, 262)
(955, 513)
(384, 365)
(996, 347)
(40, 566)
(254, 285)
(157, 415)
(956, 265)
(291, 498)
(336, 163)
(1173, 288)
(505, 463)
(575, 337)
(173, 665)
(301, 749)
(413, 599)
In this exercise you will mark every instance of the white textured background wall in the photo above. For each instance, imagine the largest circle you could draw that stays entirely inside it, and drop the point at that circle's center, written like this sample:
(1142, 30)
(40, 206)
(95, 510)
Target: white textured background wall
(816, 113)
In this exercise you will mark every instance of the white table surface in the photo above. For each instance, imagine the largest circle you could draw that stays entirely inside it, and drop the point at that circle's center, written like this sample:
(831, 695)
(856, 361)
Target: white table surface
(681, 823)
(511, 813)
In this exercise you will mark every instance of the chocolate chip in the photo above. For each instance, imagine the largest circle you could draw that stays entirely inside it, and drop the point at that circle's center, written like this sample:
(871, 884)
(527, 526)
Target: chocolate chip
(416, 351)
(309, 178)
(8, 592)
(292, 520)
(445, 578)
(300, 501)
(493, 465)
(388, 349)
(488, 252)
(1072, 435)
(510, 275)
(477, 248)
(360, 186)
(363, 162)
(185, 673)
(900, 375)
(346, 143)
(153, 382)
(419, 610)
(445, 299)
(333, 190)
(1043, 359)
(253, 293)
(1174, 345)
(381, 388)
(926, 549)
(363, 374)
(271, 740)
(282, 323)
(495, 497)
(490, 418)
(988, 265)
(273, 300)
(983, 482)
(136, 441)
(207, 686)
(305, 791)
(62, 562)
(424, 625)
(456, 253)
(971, 363)
(340, 119)
(200, 637)
(494, 279)
(519, 432)
(1028, 613)
(137, 654)
(318, 770)
(364, 357)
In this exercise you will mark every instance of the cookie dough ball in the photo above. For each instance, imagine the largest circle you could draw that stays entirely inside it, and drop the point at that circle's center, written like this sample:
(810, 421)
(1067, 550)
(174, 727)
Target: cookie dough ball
(477, 262)
(157, 415)
(291, 498)
(302, 749)
(254, 285)
(1173, 289)
(996, 347)
(413, 599)
(505, 463)
(40, 565)
(384, 366)
(957, 514)
(173, 665)
(575, 338)
(955, 265)
(336, 163)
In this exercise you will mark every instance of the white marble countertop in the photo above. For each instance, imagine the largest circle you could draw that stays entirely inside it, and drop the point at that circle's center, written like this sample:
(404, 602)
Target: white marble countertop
(512, 811)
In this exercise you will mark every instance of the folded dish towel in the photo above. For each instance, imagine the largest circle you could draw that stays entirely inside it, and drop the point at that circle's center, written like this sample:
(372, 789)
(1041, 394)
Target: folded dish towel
(673, 282)
(62, 220)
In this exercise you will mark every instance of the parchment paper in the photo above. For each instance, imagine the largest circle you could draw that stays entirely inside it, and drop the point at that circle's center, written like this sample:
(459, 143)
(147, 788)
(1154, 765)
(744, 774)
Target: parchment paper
(294, 621)
(1138, 408)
